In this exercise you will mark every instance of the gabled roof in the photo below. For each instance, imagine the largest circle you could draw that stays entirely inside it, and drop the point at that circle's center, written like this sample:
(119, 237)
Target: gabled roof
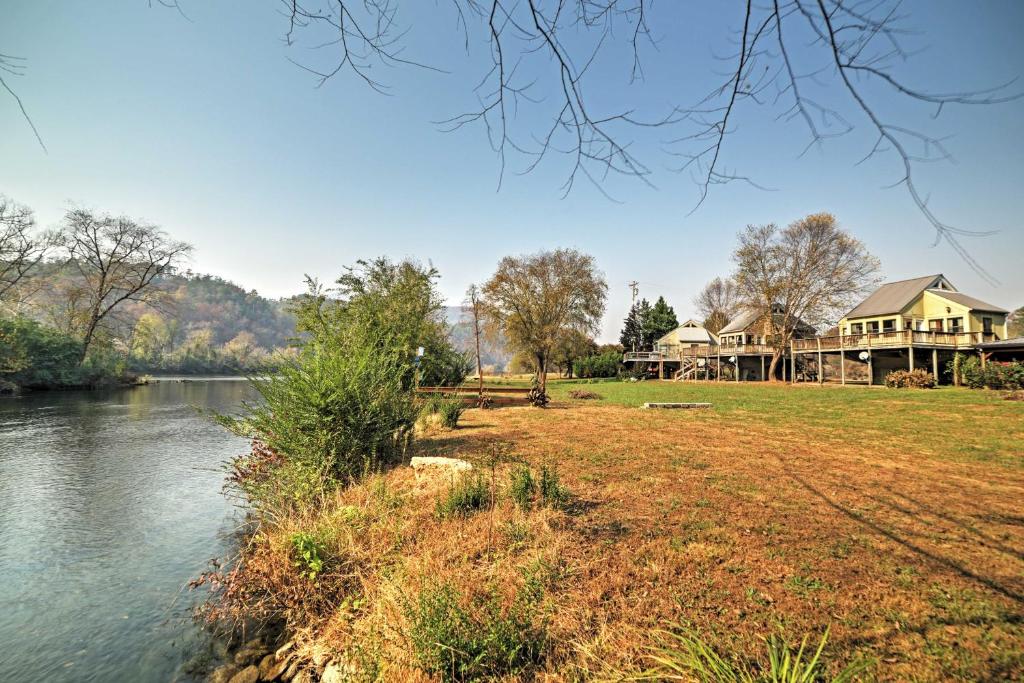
(691, 332)
(893, 297)
(968, 301)
(741, 321)
(749, 316)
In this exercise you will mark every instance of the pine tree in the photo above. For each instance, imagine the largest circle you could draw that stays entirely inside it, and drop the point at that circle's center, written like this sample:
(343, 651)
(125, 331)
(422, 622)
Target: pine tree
(633, 336)
(661, 320)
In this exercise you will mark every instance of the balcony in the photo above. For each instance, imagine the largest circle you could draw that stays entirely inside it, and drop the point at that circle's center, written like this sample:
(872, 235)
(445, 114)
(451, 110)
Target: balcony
(894, 339)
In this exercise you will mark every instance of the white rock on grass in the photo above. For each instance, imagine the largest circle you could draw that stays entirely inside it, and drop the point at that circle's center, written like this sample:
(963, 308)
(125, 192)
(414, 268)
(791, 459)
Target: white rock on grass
(423, 464)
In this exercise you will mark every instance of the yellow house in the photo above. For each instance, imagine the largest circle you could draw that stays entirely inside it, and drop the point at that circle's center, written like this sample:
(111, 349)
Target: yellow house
(929, 303)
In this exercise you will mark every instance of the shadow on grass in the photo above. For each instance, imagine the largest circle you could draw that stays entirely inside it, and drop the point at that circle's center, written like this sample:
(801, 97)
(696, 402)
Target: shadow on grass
(927, 555)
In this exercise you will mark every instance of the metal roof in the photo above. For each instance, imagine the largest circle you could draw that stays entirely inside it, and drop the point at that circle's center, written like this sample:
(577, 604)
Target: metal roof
(969, 301)
(691, 332)
(893, 297)
(1014, 343)
(741, 322)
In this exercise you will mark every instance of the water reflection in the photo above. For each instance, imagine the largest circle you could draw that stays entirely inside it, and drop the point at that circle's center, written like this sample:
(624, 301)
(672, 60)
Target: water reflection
(109, 503)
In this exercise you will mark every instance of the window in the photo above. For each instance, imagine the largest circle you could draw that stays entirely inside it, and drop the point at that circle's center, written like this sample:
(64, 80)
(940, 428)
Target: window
(889, 325)
(857, 328)
(955, 324)
(873, 327)
(986, 325)
(935, 325)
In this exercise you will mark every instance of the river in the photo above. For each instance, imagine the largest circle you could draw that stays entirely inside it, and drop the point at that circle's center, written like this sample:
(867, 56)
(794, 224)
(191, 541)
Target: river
(110, 502)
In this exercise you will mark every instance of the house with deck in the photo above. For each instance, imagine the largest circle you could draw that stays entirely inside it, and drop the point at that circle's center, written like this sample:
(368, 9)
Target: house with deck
(666, 358)
(918, 323)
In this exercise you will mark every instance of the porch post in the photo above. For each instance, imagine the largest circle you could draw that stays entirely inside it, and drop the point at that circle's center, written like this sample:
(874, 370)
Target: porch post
(718, 375)
(842, 358)
(935, 364)
(910, 352)
(821, 369)
(763, 378)
(792, 361)
(871, 371)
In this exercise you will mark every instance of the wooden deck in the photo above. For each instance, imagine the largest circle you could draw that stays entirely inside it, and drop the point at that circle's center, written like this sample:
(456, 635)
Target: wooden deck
(895, 339)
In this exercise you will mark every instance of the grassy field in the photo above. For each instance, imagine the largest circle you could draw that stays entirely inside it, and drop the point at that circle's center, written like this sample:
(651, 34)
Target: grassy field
(893, 518)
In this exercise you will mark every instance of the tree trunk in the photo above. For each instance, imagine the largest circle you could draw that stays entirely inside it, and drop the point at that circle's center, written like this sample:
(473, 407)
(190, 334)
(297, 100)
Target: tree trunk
(479, 368)
(87, 339)
(776, 356)
(542, 372)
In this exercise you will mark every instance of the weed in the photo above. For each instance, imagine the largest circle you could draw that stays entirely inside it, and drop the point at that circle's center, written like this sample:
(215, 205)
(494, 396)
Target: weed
(309, 552)
(684, 656)
(522, 486)
(465, 496)
(803, 585)
(552, 493)
(480, 640)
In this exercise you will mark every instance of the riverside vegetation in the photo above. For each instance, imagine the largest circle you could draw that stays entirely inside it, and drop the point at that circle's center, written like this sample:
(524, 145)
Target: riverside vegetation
(793, 533)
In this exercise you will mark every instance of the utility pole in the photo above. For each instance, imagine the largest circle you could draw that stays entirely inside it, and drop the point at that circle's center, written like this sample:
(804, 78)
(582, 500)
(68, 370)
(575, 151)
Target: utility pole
(634, 288)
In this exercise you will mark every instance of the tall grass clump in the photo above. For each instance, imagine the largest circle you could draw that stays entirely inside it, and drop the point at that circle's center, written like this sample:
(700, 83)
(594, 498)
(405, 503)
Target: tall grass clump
(522, 487)
(448, 409)
(685, 657)
(466, 495)
(467, 639)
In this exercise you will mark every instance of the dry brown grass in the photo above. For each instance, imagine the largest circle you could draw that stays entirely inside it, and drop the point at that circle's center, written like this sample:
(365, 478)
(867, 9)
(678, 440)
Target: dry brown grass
(739, 526)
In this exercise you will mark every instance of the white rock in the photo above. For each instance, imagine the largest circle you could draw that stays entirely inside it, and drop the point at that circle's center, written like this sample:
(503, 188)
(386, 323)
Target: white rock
(422, 464)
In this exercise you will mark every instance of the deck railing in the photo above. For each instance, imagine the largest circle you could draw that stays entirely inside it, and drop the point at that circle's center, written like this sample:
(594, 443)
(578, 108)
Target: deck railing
(894, 338)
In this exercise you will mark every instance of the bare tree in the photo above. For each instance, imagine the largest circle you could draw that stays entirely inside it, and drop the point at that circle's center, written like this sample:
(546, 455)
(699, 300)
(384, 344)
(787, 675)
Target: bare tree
(536, 299)
(21, 249)
(474, 311)
(116, 260)
(718, 302)
(11, 65)
(830, 65)
(806, 274)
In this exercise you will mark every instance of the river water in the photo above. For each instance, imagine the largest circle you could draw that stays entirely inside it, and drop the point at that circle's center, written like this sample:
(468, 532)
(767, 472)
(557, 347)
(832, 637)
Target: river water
(110, 502)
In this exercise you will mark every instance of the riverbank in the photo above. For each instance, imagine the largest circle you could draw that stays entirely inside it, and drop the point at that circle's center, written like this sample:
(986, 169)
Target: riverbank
(792, 511)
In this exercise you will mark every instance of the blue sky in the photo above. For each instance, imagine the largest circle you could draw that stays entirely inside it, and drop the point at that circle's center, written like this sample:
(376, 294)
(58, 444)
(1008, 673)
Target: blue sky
(204, 127)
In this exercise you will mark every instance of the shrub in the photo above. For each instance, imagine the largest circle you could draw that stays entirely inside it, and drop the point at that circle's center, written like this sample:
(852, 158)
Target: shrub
(447, 408)
(463, 640)
(329, 416)
(913, 379)
(994, 375)
(606, 364)
(684, 656)
(309, 555)
(465, 496)
(450, 411)
(552, 493)
(522, 486)
(584, 395)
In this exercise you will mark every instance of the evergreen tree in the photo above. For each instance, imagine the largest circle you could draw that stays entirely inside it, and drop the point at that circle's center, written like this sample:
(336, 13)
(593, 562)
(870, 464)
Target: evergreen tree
(660, 320)
(633, 336)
